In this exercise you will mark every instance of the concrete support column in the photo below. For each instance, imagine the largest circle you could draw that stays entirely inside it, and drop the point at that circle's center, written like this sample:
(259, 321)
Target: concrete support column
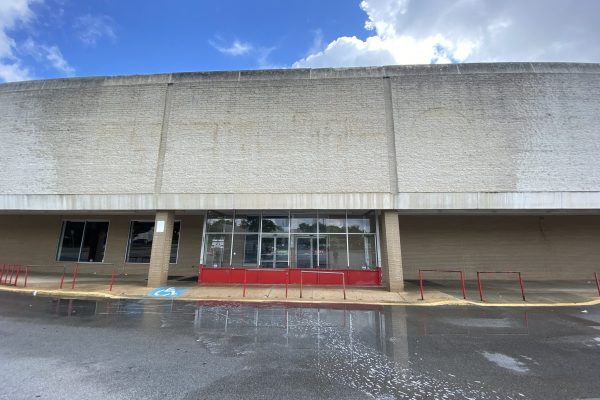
(161, 248)
(391, 255)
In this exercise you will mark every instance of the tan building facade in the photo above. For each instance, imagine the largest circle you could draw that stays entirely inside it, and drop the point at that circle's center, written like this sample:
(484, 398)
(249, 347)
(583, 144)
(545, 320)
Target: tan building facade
(470, 166)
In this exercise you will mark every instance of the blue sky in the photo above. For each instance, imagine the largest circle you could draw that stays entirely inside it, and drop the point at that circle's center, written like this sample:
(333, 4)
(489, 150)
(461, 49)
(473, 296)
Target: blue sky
(58, 38)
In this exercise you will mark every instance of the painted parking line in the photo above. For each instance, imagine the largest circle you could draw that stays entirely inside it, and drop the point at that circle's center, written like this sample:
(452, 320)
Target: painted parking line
(166, 292)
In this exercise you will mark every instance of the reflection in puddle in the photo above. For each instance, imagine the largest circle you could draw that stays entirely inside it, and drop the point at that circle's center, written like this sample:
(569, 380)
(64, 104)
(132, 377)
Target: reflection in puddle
(381, 352)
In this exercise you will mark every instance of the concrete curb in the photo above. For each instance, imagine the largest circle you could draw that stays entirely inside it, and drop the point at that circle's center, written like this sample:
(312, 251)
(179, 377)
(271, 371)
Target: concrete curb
(416, 303)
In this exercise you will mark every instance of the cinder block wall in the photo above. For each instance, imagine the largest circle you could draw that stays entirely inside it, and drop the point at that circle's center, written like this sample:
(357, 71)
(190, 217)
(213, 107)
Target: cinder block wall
(542, 247)
(34, 239)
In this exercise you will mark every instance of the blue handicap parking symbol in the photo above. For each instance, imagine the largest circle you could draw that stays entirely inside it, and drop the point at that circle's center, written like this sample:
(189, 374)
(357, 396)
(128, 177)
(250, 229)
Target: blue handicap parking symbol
(166, 292)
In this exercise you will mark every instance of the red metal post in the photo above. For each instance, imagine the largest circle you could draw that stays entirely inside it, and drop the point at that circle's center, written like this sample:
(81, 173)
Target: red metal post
(12, 273)
(597, 283)
(74, 276)
(26, 275)
(112, 280)
(17, 277)
(521, 284)
(344, 285)
(479, 286)
(462, 285)
(8, 271)
(421, 283)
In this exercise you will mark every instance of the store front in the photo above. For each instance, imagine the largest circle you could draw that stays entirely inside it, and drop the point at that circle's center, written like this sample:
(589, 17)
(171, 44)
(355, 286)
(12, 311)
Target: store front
(333, 241)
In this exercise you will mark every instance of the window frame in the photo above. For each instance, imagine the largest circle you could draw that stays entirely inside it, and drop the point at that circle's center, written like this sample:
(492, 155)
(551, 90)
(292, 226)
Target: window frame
(62, 235)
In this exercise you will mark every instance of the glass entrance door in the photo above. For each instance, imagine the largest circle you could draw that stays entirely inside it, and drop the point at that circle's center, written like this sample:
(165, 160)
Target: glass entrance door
(274, 252)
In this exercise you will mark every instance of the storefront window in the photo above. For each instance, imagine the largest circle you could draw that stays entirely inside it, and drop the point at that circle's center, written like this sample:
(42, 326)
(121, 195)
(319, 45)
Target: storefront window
(326, 240)
(362, 251)
(333, 223)
(304, 223)
(275, 224)
(219, 221)
(141, 234)
(246, 223)
(362, 224)
(245, 250)
(83, 241)
(217, 250)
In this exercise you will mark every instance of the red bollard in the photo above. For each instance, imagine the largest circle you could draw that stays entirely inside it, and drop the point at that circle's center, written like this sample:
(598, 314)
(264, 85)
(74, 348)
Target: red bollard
(17, 276)
(12, 273)
(479, 286)
(74, 276)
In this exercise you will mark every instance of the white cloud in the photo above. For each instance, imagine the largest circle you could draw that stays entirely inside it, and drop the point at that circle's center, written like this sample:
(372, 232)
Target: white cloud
(51, 54)
(237, 48)
(12, 13)
(91, 28)
(18, 15)
(443, 31)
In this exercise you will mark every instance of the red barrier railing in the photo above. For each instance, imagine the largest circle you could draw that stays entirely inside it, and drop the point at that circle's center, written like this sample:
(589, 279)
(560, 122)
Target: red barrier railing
(8, 272)
(258, 270)
(461, 276)
(597, 282)
(326, 273)
(480, 286)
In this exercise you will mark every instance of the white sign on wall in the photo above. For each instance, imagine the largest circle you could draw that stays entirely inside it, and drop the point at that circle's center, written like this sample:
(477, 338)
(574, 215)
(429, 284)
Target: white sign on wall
(160, 226)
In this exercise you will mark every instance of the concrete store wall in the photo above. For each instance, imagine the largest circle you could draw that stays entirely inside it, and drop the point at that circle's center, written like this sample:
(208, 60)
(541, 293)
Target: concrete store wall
(488, 132)
(80, 139)
(542, 247)
(470, 136)
(33, 239)
(277, 136)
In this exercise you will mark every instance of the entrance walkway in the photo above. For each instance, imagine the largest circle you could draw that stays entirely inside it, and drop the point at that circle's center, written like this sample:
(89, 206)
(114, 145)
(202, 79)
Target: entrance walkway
(496, 293)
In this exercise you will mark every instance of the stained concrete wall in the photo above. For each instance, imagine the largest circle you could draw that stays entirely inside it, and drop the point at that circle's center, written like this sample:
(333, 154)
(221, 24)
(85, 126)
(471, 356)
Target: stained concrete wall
(490, 132)
(87, 139)
(546, 247)
(277, 136)
(459, 137)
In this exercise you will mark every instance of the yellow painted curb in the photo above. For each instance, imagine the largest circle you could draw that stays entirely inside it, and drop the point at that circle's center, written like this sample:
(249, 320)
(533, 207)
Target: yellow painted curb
(416, 303)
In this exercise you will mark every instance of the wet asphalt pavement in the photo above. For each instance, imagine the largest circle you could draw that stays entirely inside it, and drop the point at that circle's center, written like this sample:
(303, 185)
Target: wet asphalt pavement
(80, 349)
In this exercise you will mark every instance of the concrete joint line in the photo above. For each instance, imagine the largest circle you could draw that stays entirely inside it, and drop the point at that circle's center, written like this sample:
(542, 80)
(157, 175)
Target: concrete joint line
(160, 162)
(390, 135)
